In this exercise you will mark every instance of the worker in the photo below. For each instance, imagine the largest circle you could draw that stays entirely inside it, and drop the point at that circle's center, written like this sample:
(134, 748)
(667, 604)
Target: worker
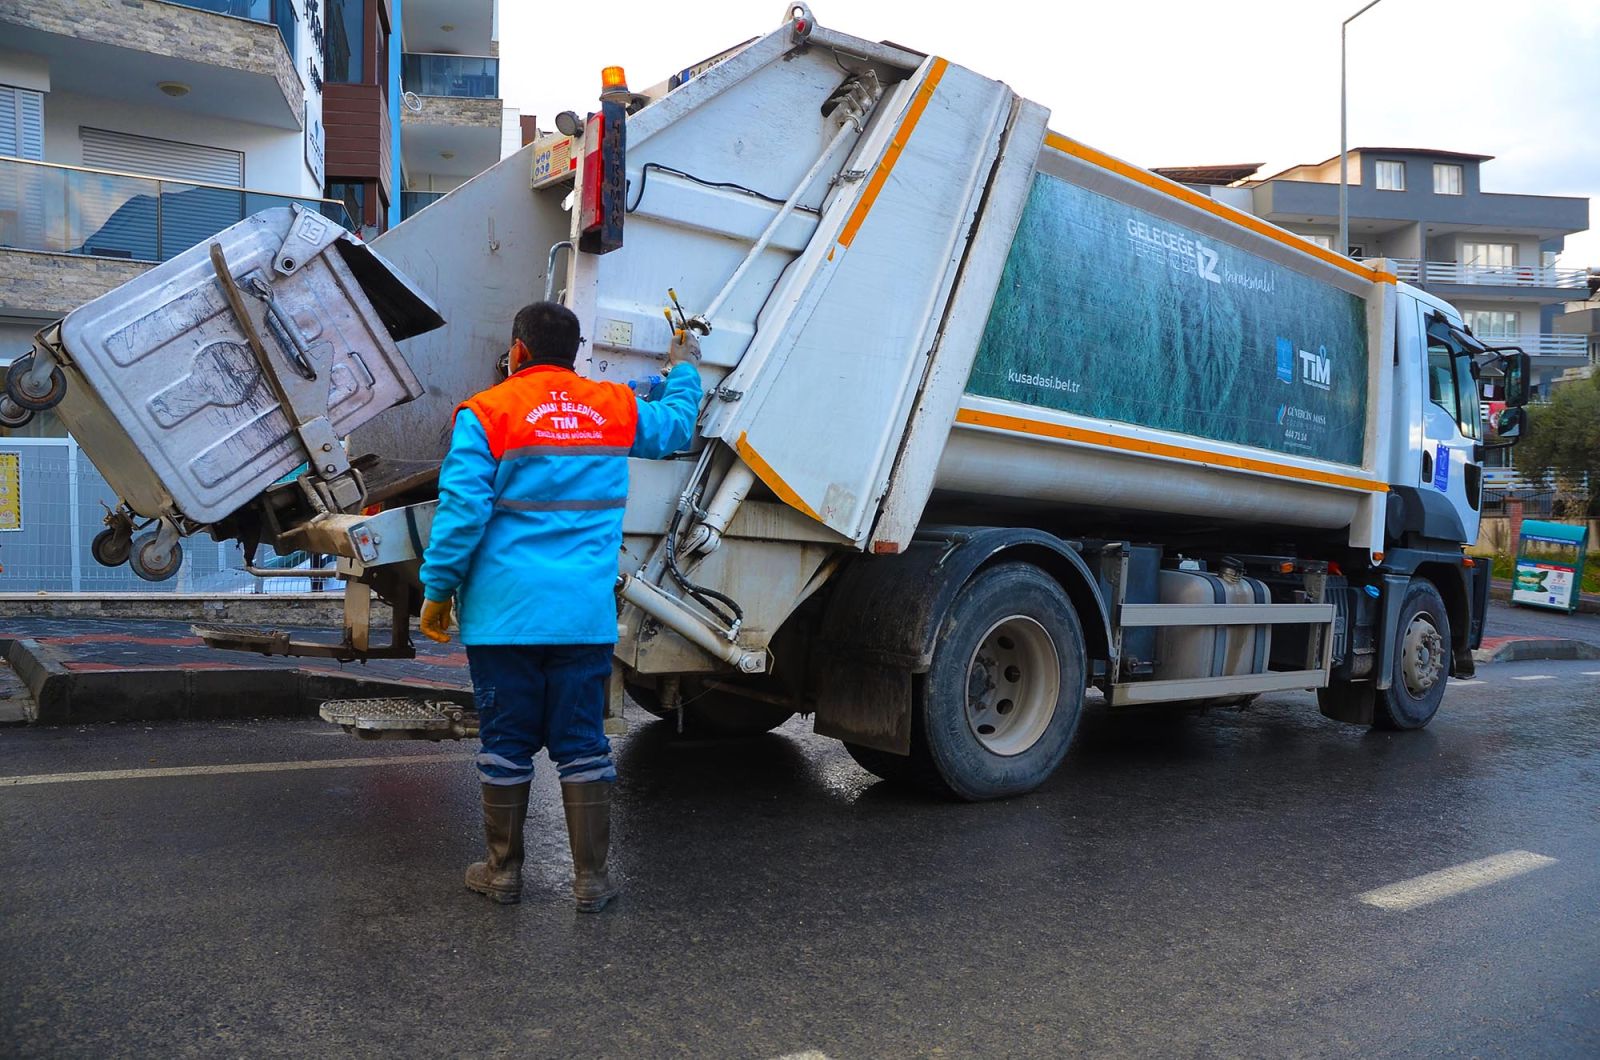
(526, 540)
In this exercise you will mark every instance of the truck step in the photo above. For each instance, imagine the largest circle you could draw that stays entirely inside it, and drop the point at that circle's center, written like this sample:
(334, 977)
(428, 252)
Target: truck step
(400, 718)
(282, 642)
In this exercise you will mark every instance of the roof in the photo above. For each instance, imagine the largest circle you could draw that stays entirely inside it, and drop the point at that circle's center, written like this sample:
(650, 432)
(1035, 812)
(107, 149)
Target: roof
(1462, 155)
(1209, 174)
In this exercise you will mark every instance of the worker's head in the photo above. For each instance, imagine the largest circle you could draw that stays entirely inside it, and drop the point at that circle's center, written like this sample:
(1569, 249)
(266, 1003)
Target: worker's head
(544, 333)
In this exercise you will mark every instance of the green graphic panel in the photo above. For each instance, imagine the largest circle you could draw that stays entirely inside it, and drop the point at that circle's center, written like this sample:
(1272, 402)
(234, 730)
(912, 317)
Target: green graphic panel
(1109, 311)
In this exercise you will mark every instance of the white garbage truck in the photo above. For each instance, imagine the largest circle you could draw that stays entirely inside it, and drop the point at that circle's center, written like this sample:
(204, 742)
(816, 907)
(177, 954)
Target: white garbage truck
(993, 419)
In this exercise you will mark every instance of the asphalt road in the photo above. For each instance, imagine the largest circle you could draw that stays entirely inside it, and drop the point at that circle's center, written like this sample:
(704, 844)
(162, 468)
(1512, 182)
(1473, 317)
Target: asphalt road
(1185, 886)
(1505, 620)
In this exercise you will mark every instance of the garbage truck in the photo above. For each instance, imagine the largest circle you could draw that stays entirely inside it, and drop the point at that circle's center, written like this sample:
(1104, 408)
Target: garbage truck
(994, 420)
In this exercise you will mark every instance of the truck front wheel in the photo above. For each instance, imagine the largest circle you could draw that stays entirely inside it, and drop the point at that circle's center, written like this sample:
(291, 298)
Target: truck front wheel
(1421, 661)
(1001, 701)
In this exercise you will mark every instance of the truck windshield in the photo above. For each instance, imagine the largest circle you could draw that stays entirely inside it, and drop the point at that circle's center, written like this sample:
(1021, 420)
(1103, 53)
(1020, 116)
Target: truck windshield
(1453, 378)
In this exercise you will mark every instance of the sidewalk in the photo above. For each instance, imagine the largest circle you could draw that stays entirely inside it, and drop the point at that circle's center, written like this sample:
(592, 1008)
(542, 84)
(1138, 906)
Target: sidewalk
(95, 669)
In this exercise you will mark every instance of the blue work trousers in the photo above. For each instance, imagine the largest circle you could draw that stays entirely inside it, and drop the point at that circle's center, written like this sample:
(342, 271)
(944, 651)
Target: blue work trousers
(541, 696)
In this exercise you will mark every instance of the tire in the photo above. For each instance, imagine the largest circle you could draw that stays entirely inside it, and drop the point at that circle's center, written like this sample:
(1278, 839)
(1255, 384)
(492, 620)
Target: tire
(999, 706)
(36, 401)
(1421, 661)
(150, 563)
(714, 713)
(110, 549)
(13, 416)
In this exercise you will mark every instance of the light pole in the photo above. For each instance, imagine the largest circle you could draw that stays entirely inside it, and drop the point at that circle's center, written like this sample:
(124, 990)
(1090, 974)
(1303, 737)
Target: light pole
(1344, 150)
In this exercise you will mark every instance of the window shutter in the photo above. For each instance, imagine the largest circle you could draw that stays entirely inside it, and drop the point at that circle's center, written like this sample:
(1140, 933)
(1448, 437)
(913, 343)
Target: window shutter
(187, 215)
(21, 123)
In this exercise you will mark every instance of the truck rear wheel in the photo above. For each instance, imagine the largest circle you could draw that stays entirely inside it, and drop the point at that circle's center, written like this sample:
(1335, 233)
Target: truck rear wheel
(1001, 702)
(1421, 661)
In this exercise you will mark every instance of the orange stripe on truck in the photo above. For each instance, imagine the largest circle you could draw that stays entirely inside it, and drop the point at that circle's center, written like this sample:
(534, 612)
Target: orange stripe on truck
(1103, 440)
(1178, 191)
(919, 103)
(774, 481)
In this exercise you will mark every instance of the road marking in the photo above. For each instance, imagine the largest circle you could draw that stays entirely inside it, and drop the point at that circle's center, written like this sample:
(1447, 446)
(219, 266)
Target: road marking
(1535, 677)
(1409, 894)
(1458, 682)
(238, 767)
(1591, 673)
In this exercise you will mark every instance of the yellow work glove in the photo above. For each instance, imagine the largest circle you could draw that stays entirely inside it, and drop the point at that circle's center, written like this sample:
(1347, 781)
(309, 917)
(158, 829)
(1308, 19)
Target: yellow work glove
(436, 620)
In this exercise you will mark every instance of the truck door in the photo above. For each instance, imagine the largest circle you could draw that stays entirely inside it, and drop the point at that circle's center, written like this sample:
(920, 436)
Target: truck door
(1452, 423)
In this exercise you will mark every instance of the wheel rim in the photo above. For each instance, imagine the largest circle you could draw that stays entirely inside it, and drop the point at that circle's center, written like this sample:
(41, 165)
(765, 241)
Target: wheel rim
(1421, 655)
(1013, 685)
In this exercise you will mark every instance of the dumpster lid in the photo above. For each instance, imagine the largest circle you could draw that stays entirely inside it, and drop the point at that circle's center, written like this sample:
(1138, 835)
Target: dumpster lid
(1562, 533)
(404, 310)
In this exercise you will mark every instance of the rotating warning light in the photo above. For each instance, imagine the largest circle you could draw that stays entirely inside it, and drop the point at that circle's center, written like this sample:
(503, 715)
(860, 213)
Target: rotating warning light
(613, 83)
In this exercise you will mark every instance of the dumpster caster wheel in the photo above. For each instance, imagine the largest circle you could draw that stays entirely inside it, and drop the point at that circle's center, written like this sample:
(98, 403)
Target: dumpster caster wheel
(13, 416)
(111, 549)
(30, 395)
(152, 563)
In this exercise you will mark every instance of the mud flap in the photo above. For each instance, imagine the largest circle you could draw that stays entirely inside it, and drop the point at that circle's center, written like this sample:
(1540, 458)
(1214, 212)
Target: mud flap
(864, 701)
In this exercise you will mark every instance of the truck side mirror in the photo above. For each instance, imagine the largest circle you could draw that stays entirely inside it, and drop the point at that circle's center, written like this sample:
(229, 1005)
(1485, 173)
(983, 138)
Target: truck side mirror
(1518, 370)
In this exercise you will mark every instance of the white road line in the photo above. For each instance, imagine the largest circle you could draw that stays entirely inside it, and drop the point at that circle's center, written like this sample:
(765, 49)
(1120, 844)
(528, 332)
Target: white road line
(1409, 894)
(1591, 673)
(238, 767)
(1460, 682)
(1535, 677)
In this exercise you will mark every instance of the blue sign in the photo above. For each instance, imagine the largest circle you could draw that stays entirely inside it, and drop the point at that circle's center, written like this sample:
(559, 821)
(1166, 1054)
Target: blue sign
(1441, 468)
(1285, 362)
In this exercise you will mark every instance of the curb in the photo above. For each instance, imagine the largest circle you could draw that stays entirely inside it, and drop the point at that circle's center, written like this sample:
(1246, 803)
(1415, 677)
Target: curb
(317, 609)
(1521, 649)
(65, 696)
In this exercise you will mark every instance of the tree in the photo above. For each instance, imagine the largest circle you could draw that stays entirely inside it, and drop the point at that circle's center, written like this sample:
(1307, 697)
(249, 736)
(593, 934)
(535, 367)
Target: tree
(1562, 438)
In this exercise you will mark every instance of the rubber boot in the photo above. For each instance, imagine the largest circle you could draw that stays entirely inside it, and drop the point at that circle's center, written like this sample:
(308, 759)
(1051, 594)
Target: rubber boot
(588, 807)
(499, 875)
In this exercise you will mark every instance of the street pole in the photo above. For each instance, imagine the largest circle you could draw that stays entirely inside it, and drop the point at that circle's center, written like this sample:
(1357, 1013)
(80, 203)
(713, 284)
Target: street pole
(1344, 148)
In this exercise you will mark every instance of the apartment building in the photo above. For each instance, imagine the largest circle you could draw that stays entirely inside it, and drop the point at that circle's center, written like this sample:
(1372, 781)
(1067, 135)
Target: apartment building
(453, 124)
(1492, 255)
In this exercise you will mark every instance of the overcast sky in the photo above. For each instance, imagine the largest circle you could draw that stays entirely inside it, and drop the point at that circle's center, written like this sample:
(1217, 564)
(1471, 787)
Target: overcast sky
(1172, 82)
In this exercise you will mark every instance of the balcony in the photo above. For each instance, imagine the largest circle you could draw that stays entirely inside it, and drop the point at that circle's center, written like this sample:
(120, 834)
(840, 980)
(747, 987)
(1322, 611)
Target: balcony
(1575, 346)
(98, 213)
(1426, 273)
(279, 13)
(235, 68)
(457, 76)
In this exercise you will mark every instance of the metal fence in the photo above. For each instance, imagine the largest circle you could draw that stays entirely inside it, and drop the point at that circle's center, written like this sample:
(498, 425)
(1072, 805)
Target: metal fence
(1537, 504)
(58, 503)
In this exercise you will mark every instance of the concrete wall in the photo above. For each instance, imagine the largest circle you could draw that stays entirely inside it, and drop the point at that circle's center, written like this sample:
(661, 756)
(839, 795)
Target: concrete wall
(1494, 534)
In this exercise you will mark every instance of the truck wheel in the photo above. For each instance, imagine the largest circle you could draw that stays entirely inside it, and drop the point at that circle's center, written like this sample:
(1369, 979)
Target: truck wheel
(1002, 699)
(1421, 661)
(714, 713)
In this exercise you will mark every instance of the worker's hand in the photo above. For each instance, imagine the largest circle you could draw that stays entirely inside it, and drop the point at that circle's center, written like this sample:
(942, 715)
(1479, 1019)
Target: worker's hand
(685, 348)
(436, 620)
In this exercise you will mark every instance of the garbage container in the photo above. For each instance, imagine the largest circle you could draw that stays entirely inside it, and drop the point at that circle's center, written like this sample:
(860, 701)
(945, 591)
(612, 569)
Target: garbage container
(1549, 568)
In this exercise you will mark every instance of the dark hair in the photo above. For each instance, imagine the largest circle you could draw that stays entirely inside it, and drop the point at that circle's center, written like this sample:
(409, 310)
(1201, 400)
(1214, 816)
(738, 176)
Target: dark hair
(550, 332)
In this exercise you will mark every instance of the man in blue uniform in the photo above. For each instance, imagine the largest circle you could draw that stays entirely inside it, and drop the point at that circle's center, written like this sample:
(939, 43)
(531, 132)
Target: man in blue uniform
(526, 539)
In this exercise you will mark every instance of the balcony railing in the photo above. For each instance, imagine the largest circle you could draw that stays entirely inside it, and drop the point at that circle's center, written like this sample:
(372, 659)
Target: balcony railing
(1423, 273)
(465, 76)
(413, 201)
(279, 13)
(1561, 345)
(101, 213)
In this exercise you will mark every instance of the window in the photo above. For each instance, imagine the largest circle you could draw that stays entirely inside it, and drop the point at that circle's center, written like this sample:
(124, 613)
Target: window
(1391, 176)
(343, 37)
(1452, 379)
(1325, 242)
(354, 196)
(1446, 179)
(1356, 250)
(1490, 255)
(21, 123)
(1492, 323)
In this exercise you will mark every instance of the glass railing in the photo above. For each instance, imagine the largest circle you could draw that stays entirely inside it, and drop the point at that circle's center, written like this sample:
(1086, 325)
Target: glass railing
(468, 76)
(97, 212)
(412, 201)
(279, 13)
